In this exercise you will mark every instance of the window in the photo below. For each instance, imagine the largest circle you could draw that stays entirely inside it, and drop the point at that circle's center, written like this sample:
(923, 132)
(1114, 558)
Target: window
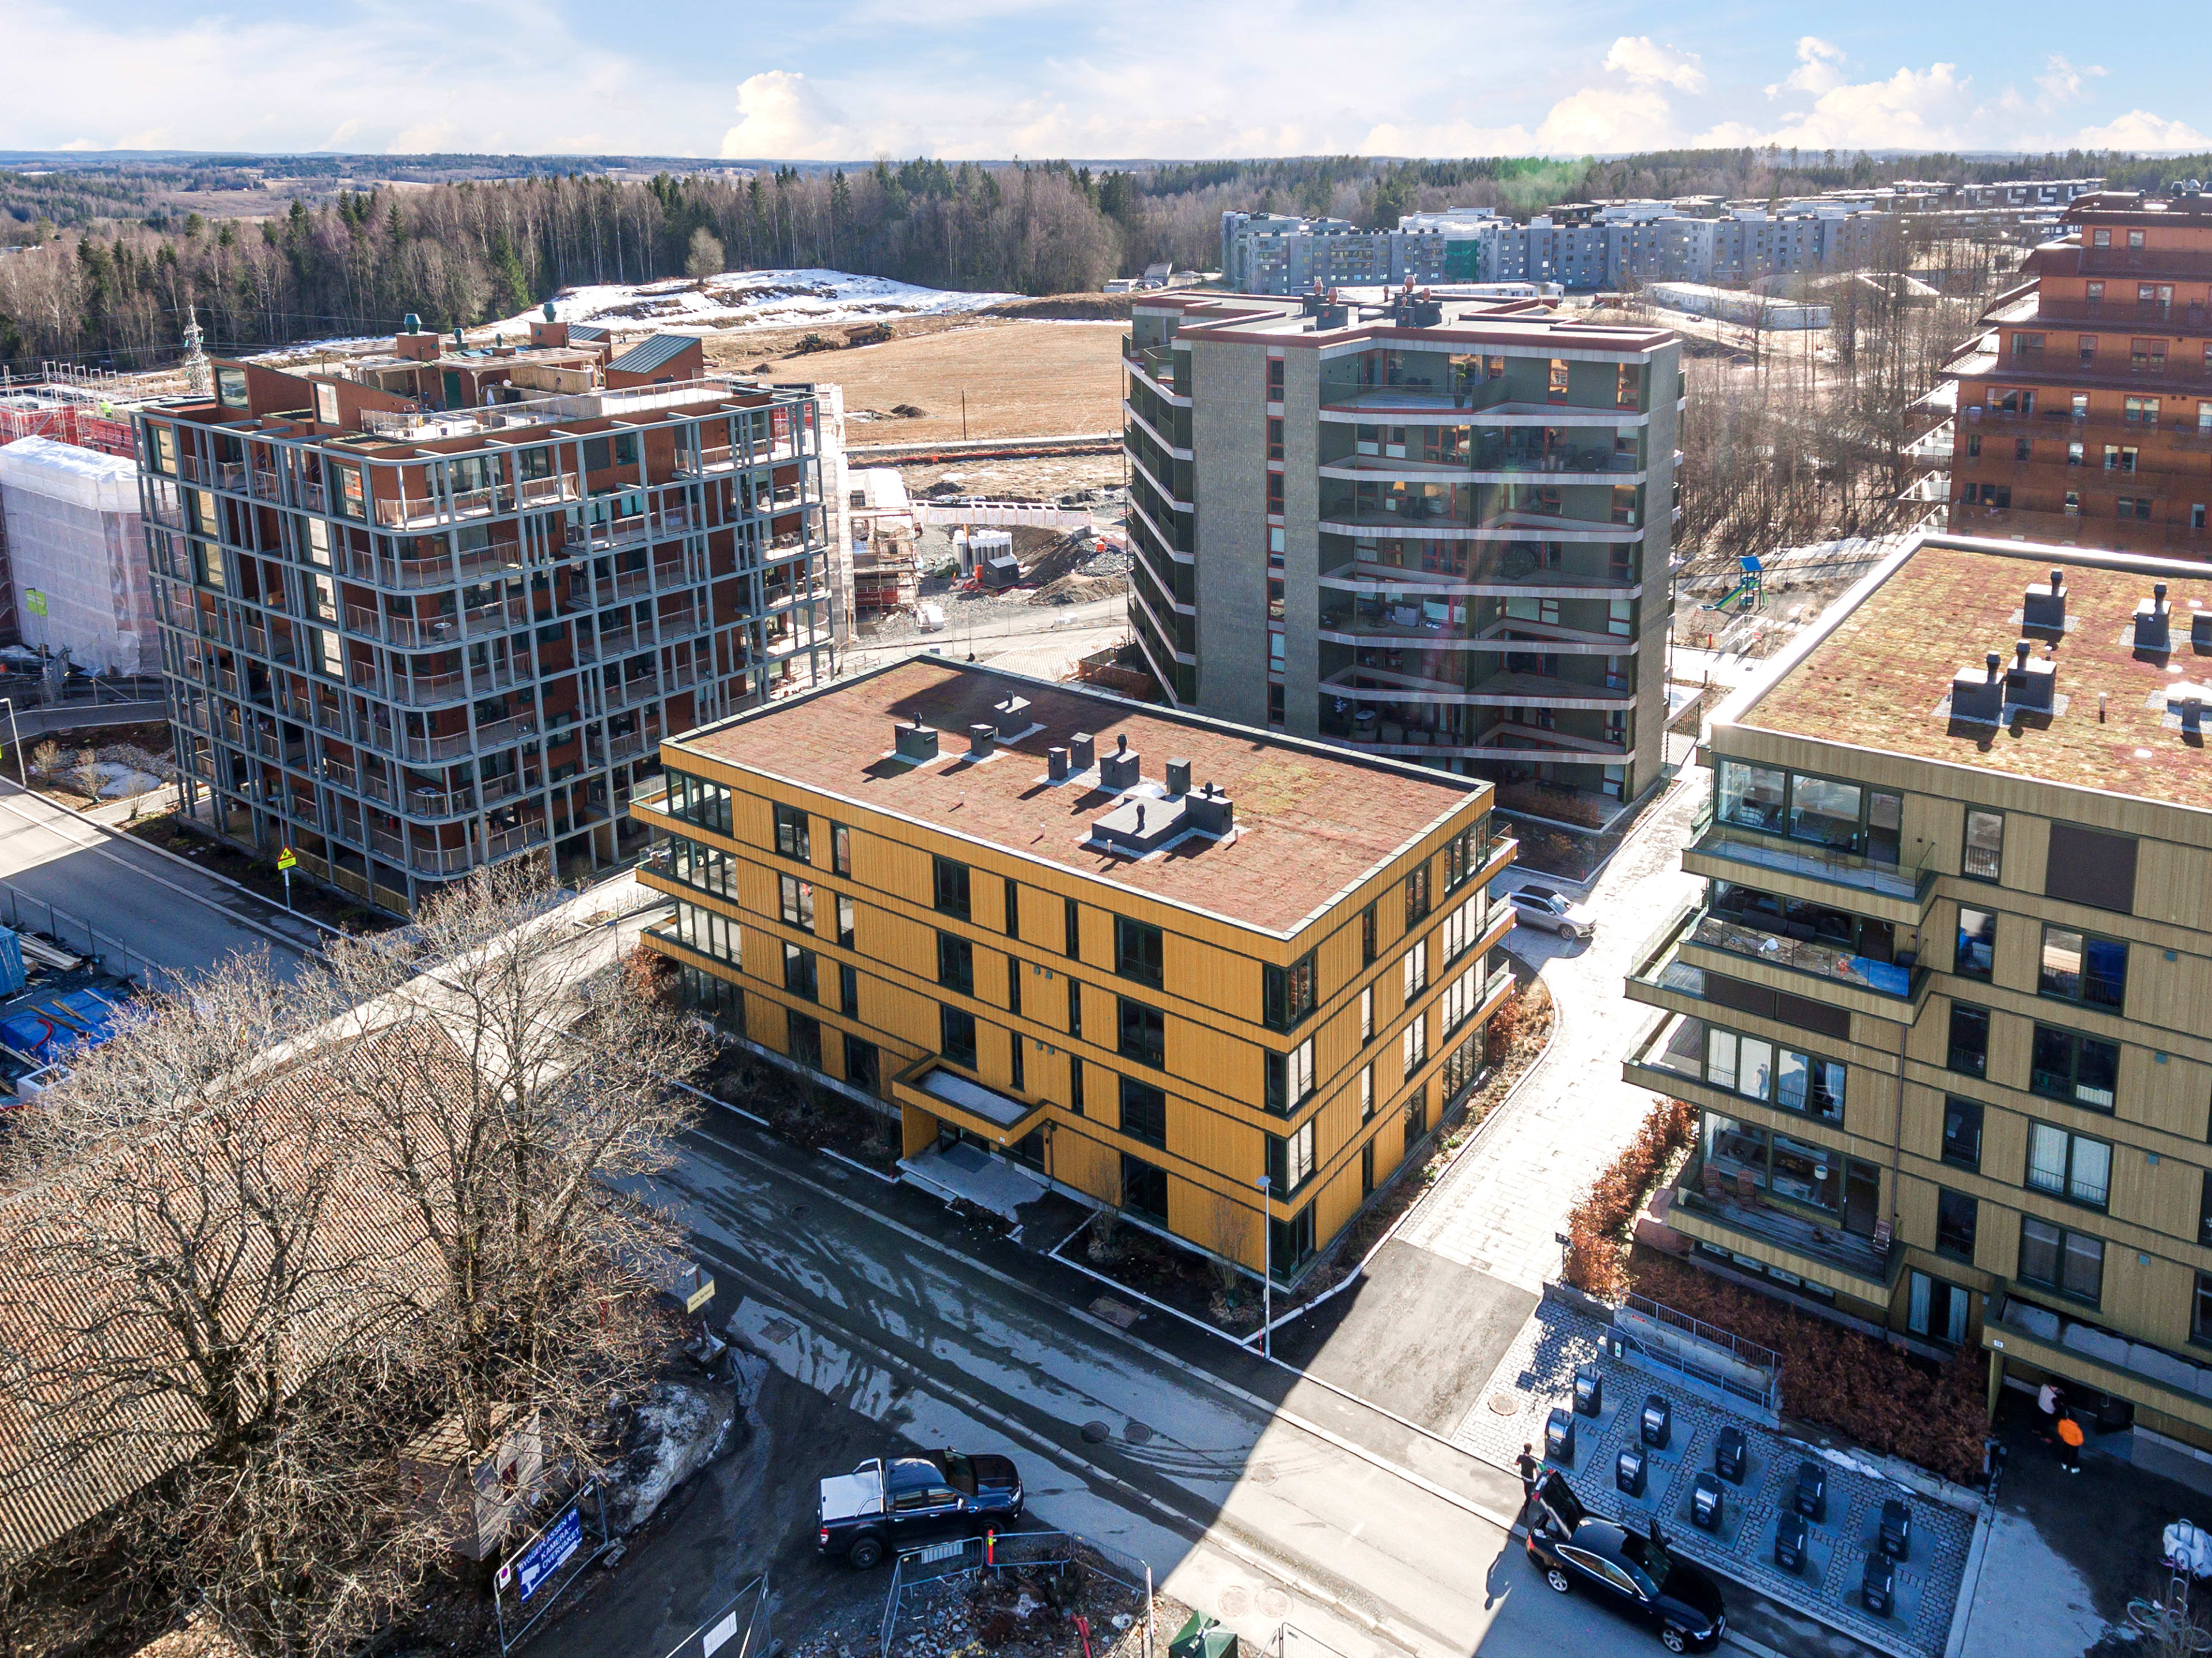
(1814, 1086)
(1290, 1161)
(1017, 1074)
(1367, 1014)
(803, 1034)
(2200, 1309)
(1556, 387)
(1367, 1113)
(1935, 1309)
(1627, 385)
(863, 1066)
(1962, 1132)
(718, 998)
(1144, 1113)
(1072, 938)
(1985, 854)
(1290, 1243)
(695, 800)
(1367, 936)
(709, 932)
(1143, 1033)
(1290, 1078)
(956, 964)
(2063, 1065)
(956, 1034)
(2083, 967)
(1013, 985)
(1274, 437)
(1074, 1008)
(1275, 379)
(799, 972)
(1957, 1217)
(1143, 1189)
(1367, 1170)
(1138, 950)
(840, 849)
(950, 882)
(798, 905)
(845, 919)
(696, 864)
(791, 839)
(848, 989)
(1462, 928)
(1970, 1038)
(2069, 1166)
(1413, 967)
(1013, 908)
(1414, 1043)
(1462, 857)
(2060, 1259)
(1286, 993)
(1976, 957)
(1417, 896)
(1075, 1084)
(1417, 1116)
(2204, 1211)
(2023, 448)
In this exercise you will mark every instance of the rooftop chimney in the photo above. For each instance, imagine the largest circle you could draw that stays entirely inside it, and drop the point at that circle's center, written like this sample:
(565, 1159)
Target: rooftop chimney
(2031, 684)
(2152, 616)
(1210, 811)
(1080, 750)
(1119, 770)
(2200, 630)
(1979, 695)
(916, 741)
(1178, 776)
(2192, 716)
(2044, 607)
(1012, 716)
(1055, 764)
(982, 738)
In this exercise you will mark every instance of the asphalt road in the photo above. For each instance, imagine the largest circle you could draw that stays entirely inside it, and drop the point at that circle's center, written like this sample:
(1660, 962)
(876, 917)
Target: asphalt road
(1273, 1501)
(179, 918)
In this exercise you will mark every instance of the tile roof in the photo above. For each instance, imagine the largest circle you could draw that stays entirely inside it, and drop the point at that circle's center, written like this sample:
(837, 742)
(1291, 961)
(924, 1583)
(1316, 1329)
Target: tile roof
(1311, 820)
(1875, 679)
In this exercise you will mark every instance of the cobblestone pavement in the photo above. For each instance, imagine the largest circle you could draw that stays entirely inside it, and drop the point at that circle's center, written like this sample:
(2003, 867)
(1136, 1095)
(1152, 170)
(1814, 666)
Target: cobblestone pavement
(1537, 1374)
(1502, 1205)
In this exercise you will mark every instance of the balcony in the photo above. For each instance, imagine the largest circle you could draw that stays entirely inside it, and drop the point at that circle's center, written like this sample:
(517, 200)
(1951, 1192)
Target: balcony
(1731, 1209)
(1344, 516)
(1809, 956)
(1558, 466)
(2149, 1376)
(1427, 406)
(1735, 844)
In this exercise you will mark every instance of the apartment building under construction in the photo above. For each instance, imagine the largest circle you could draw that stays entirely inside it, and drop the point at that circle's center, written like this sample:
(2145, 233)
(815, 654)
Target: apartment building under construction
(411, 631)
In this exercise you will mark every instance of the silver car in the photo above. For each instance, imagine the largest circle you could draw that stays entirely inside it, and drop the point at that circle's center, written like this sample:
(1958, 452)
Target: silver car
(1541, 907)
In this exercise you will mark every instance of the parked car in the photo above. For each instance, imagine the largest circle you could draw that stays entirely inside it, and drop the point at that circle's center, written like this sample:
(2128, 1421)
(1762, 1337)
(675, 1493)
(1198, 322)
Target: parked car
(890, 1504)
(1541, 907)
(1632, 1570)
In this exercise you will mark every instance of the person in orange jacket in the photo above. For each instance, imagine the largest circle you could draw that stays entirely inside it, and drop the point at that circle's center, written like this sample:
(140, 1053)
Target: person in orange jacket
(2069, 1442)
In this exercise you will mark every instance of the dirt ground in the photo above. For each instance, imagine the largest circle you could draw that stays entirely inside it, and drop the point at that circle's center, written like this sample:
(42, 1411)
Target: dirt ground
(1022, 378)
(1044, 477)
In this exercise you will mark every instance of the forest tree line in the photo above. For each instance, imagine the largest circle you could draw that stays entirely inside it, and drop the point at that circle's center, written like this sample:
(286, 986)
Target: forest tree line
(115, 293)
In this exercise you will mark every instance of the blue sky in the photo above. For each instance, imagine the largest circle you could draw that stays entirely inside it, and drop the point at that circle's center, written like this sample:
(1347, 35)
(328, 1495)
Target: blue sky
(851, 79)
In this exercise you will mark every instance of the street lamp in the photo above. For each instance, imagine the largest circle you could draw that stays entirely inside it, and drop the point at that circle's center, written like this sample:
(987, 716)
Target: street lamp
(1267, 1276)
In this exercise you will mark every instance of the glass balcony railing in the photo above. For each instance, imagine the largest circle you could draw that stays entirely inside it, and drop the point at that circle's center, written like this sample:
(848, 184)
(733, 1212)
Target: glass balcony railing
(1809, 956)
(1714, 838)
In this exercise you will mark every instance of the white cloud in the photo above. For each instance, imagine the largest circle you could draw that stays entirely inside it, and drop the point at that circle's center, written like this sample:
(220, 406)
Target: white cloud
(2063, 84)
(782, 115)
(1819, 69)
(1602, 118)
(2140, 130)
(1639, 57)
(1932, 109)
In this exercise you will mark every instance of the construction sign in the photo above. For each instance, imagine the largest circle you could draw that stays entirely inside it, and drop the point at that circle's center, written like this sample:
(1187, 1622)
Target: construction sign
(288, 859)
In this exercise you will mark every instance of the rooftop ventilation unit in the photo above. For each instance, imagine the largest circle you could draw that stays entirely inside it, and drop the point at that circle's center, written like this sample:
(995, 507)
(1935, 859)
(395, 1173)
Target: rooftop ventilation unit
(2152, 616)
(1210, 811)
(982, 739)
(1011, 716)
(1055, 765)
(1978, 693)
(916, 741)
(2192, 716)
(2200, 630)
(1178, 776)
(1119, 770)
(2029, 684)
(1080, 750)
(2044, 607)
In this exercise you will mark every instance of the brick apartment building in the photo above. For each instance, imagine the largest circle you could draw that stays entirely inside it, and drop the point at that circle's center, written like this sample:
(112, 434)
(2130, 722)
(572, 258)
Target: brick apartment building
(1942, 1006)
(1153, 956)
(1437, 530)
(2085, 411)
(442, 611)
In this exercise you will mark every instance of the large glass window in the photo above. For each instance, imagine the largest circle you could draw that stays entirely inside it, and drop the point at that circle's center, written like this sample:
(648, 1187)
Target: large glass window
(794, 839)
(1143, 1033)
(2069, 1166)
(1978, 944)
(1935, 1309)
(1984, 853)
(1289, 1077)
(1752, 796)
(1143, 1189)
(1825, 810)
(797, 902)
(1970, 1038)
(2083, 967)
(1290, 1160)
(1139, 950)
(1286, 993)
(956, 1034)
(1808, 1173)
(2064, 1064)
(956, 964)
(1958, 1217)
(949, 883)
(799, 972)
(1962, 1132)
(709, 931)
(1803, 1082)
(696, 864)
(2059, 1258)
(1144, 1113)
(2200, 1309)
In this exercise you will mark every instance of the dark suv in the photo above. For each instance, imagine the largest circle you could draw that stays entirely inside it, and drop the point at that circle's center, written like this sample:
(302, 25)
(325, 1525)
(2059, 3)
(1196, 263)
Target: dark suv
(1629, 1570)
(889, 1505)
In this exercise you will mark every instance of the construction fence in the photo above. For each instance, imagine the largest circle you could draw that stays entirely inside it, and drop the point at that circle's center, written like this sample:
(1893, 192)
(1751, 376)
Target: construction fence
(1067, 1571)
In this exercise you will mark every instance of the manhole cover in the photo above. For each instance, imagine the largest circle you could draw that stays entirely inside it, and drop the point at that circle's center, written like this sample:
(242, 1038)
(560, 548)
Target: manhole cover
(1262, 1473)
(1136, 1433)
(1235, 1601)
(1504, 1404)
(1271, 1603)
(1096, 1433)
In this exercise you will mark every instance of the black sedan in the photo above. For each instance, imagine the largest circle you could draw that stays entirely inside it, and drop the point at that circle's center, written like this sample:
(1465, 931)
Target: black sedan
(1629, 1570)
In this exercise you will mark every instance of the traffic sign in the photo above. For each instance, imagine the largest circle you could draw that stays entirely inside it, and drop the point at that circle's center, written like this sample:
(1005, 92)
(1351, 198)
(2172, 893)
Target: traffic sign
(288, 859)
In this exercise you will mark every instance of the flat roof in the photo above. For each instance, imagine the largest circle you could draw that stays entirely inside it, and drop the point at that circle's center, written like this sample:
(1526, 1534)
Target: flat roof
(1875, 677)
(1312, 821)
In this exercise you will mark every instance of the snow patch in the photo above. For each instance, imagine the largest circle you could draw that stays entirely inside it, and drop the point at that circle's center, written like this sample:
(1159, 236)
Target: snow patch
(677, 1430)
(746, 299)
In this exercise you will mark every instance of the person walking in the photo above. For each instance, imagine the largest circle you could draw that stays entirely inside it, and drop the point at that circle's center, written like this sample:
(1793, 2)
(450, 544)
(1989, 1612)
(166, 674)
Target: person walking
(1530, 1468)
(2046, 1405)
(2069, 1442)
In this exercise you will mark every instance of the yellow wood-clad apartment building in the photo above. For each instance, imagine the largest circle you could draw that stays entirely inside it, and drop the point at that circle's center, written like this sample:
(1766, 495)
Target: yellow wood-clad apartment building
(1155, 957)
(1946, 1004)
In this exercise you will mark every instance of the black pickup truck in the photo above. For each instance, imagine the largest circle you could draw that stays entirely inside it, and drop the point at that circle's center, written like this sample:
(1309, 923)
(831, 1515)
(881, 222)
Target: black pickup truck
(890, 1504)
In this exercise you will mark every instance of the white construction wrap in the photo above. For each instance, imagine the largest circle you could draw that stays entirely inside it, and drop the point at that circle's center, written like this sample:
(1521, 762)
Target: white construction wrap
(76, 553)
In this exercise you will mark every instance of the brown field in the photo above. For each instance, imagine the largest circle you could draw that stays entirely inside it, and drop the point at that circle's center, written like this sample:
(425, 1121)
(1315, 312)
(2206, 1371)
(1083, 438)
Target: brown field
(1023, 378)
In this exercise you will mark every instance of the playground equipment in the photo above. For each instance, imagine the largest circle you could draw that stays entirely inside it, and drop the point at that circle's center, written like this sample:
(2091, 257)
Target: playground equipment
(1746, 589)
